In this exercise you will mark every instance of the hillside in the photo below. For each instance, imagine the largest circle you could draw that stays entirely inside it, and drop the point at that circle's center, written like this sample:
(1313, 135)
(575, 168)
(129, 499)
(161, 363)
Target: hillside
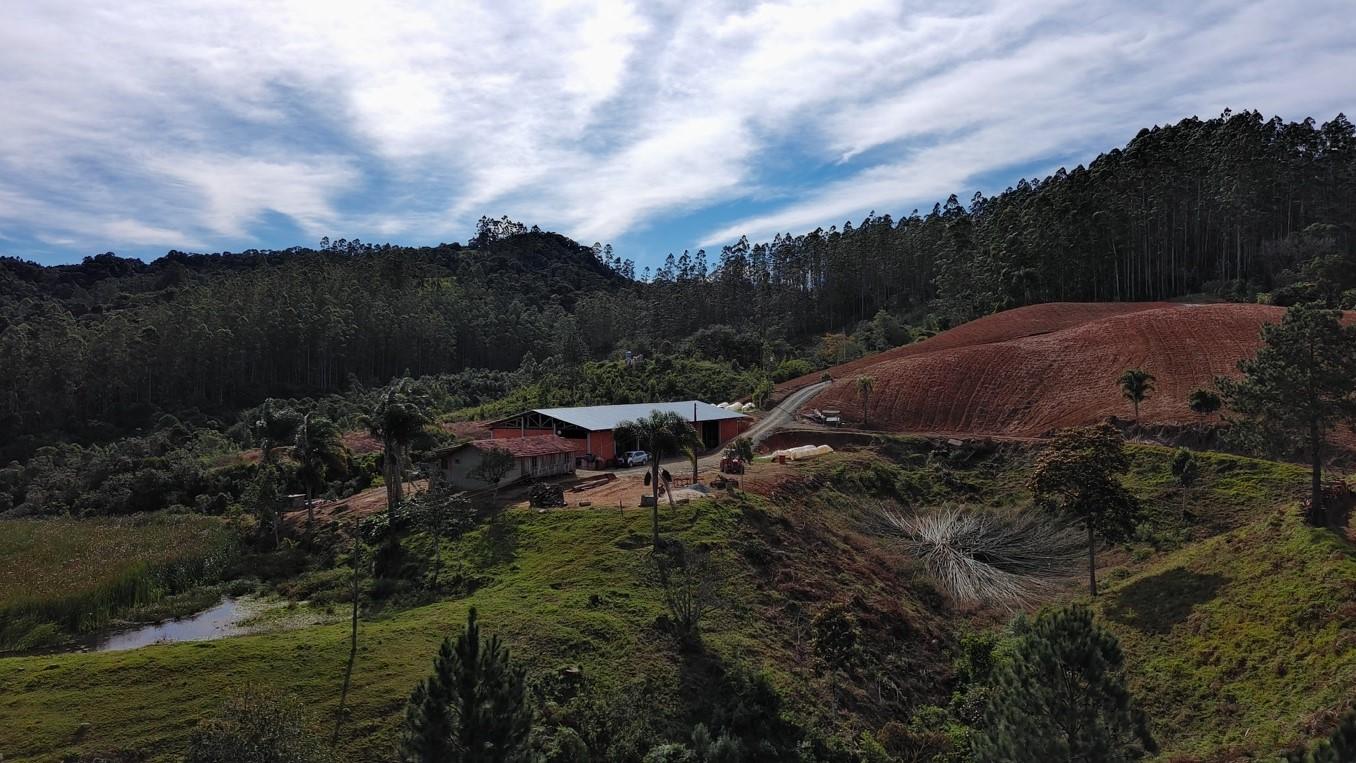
(1028, 371)
(1232, 617)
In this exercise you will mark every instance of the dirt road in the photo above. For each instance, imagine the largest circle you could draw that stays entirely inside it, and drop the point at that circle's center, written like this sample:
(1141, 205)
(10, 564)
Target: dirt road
(783, 413)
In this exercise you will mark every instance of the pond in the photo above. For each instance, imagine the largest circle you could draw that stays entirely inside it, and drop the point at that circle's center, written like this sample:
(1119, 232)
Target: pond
(227, 618)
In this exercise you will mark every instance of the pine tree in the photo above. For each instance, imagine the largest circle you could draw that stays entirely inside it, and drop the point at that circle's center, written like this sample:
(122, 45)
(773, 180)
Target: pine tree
(472, 709)
(1301, 385)
(1061, 696)
(1340, 747)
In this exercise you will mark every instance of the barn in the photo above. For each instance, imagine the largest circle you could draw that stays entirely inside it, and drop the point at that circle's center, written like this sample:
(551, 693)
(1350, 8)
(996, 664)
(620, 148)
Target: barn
(590, 427)
(541, 455)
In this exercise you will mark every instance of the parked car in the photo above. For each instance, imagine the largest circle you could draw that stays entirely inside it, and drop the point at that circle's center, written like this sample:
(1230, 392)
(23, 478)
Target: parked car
(636, 458)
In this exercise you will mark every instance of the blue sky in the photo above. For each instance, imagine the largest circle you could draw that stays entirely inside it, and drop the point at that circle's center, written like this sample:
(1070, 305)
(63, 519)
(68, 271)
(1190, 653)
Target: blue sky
(657, 127)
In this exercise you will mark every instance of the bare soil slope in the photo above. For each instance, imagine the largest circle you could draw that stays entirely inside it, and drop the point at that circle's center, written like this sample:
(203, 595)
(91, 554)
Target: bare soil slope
(1027, 371)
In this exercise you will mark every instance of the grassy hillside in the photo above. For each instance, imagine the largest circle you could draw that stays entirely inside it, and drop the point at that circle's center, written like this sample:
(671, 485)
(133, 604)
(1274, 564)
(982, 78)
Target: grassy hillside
(567, 590)
(1245, 641)
(1235, 618)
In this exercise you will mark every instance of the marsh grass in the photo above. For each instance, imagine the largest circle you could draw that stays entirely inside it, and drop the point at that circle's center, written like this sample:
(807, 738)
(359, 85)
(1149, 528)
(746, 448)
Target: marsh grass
(63, 577)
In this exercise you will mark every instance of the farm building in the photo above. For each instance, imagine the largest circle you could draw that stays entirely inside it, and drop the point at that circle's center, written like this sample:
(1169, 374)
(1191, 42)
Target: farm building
(589, 428)
(541, 455)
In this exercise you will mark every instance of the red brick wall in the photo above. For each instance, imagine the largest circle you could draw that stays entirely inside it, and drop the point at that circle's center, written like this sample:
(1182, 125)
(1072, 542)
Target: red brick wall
(603, 445)
(732, 428)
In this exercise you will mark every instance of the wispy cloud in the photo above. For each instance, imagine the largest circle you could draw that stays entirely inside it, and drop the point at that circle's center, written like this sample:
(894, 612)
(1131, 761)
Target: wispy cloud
(195, 124)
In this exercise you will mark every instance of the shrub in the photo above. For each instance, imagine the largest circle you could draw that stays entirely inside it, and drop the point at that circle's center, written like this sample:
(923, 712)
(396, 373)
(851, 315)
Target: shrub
(835, 635)
(791, 368)
(256, 725)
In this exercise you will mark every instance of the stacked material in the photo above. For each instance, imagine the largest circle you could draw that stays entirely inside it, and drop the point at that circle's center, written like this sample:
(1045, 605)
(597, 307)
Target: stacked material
(801, 453)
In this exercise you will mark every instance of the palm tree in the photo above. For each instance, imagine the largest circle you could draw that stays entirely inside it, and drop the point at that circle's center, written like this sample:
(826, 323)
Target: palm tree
(1136, 384)
(397, 418)
(659, 433)
(692, 451)
(865, 384)
(319, 452)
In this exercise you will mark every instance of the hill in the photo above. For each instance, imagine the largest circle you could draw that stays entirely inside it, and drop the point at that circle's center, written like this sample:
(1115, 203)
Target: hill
(1237, 638)
(1028, 371)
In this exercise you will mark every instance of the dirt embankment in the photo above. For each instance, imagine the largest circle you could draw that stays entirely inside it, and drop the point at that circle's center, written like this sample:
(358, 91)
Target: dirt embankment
(1028, 371)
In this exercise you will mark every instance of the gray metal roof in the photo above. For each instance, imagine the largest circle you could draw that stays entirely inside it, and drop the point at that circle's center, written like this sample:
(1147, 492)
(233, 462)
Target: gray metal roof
(597, 418)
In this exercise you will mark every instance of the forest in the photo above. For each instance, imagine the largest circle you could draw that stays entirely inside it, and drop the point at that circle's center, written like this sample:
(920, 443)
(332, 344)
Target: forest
(159, 422)
(104, 348)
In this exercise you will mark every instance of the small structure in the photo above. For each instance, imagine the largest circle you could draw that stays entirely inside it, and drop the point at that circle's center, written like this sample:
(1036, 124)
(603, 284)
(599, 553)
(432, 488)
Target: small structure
(589, 428)
(534, 457)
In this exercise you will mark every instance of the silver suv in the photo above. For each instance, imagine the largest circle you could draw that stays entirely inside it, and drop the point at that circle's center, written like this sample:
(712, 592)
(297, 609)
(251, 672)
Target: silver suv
(636, 458)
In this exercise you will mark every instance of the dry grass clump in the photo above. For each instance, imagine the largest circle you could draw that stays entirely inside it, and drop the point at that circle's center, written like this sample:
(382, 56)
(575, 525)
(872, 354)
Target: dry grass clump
(986, 556)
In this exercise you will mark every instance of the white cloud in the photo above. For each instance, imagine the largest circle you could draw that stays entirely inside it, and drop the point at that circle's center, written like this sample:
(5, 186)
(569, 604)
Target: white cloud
(191, 121)
(234, 191)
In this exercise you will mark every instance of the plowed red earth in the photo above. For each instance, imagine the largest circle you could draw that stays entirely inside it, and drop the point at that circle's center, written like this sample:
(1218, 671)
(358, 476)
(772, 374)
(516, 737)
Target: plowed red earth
(1027, 371)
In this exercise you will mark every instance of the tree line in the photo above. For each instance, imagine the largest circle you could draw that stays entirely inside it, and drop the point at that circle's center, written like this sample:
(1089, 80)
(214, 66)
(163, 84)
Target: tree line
(1219, 205)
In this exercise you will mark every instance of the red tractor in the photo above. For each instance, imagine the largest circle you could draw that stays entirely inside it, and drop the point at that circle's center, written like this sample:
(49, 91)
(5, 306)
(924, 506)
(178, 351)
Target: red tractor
(731, 464)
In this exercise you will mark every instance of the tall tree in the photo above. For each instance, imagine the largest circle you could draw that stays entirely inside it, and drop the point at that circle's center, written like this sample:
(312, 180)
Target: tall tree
(397, 418)
(275, 425)
(1299, 387)
(319, 453)
(1187, 470)
(1061, 696)
(266, 496)
(660, 433)
(1136, 385)
(865, 385)
(1076, 476)
(472, 709)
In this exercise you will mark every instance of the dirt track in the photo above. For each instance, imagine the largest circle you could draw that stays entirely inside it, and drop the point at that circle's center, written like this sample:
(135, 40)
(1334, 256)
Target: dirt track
(1027, 371)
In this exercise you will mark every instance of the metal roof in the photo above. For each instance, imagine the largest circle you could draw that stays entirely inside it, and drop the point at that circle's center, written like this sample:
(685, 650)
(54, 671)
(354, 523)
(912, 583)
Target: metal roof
(597, 418)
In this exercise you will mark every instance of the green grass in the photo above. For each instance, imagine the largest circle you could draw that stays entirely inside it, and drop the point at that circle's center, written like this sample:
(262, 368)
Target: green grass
(565, 589)
(1237, 633)
(69, 576)
(1237, 643)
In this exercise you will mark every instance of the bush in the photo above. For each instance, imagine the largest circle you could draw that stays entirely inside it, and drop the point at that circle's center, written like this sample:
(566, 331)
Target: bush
(791, 368)
(257, 725)
(835, 635)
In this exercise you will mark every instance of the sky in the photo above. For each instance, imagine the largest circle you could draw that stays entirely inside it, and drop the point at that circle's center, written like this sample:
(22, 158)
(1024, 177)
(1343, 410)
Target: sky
(661, 126)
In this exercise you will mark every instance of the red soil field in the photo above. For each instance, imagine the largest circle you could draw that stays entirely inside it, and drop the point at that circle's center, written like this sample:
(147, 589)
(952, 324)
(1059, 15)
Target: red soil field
(1027, 371)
